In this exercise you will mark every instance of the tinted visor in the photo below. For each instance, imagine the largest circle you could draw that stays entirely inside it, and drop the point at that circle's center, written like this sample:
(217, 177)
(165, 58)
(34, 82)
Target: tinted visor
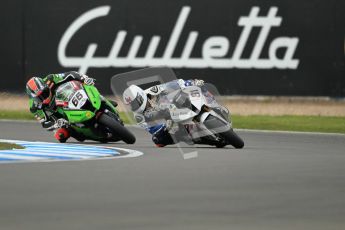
(43, 95)
(137, 102)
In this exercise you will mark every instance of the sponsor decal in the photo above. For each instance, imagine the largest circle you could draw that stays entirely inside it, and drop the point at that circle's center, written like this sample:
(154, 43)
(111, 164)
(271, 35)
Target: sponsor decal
(154, 89)
(214, 48)
(88, 114)
(128, 100)
(180, 112)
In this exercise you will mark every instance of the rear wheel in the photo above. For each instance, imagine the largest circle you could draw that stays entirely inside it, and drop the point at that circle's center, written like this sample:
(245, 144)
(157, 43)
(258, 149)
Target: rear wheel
(116, 128)
(229, 136)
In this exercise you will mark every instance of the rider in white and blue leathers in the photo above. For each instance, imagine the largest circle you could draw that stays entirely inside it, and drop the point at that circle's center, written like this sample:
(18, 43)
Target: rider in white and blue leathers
(146, 112)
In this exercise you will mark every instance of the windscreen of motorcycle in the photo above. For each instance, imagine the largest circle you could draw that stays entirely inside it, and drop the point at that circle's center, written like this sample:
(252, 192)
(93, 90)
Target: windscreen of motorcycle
(71, 94)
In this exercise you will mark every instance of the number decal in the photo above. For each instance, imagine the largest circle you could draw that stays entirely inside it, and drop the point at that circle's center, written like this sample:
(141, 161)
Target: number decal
(75, 101)
(79, 96)
(78, 100)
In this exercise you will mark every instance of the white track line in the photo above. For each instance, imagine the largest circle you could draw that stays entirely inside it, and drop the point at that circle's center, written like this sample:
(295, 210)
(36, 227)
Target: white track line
(64, 154)
(17, 157)
(49, 151)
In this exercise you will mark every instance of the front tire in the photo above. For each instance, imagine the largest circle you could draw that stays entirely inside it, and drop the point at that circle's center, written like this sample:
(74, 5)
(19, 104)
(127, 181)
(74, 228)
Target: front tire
(233, 139)
(116, 128)
(230, 137)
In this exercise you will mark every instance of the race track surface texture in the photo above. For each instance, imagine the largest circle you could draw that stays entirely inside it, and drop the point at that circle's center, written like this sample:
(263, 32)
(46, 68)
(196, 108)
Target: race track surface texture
(278, 181)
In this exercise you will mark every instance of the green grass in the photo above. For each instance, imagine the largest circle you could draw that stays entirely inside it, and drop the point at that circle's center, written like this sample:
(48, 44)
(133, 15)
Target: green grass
(4, 146)
(16, 115)
(289, 123)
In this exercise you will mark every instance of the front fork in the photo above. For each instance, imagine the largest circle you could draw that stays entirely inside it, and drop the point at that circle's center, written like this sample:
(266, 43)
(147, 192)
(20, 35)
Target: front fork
(109, 108)
(219, 113)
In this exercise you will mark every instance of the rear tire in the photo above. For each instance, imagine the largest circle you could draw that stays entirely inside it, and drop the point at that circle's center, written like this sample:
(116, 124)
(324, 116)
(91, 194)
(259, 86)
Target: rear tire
(116, 128)
(230, 137)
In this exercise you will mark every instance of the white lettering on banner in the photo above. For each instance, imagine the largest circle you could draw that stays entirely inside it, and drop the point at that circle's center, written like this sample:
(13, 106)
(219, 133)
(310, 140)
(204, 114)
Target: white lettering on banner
(214, 49)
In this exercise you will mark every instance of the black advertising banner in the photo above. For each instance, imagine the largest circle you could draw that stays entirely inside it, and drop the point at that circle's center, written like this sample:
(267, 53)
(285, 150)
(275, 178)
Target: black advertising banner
(243, 47)
(11, 46)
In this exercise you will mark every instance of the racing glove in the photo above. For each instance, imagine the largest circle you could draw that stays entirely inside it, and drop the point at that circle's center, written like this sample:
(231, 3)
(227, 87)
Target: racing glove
(171, 127)
(169, 124)
(88, 80)
(60, 123)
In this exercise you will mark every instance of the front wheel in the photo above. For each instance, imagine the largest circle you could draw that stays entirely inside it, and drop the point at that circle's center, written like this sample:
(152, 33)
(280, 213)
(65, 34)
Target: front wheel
(233, 139)
(116, 128)
(229, 136)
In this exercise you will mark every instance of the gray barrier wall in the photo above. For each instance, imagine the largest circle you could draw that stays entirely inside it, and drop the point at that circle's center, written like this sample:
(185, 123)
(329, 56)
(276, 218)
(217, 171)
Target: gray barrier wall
(244, 47)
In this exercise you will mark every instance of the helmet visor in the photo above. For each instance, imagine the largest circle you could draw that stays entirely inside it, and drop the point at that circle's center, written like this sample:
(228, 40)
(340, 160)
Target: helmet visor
(137, 102)
(45, 93)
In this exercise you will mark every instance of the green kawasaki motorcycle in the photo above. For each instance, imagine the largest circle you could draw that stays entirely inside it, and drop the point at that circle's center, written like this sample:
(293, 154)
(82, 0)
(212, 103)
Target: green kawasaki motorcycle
(90, 115)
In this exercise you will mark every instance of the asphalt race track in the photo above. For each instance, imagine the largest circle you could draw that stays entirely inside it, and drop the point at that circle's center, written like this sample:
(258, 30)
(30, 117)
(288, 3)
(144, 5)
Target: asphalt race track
(278, 181)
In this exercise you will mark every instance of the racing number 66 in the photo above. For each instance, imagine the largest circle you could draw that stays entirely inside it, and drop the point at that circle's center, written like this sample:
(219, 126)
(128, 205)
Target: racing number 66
(76, 98)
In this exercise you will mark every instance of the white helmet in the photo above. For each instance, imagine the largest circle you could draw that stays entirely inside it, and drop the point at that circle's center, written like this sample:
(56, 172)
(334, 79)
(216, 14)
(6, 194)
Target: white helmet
(136, 98)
